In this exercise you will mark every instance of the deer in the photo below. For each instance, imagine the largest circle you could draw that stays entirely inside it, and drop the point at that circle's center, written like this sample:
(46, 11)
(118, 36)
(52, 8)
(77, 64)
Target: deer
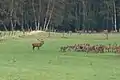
(38, 44)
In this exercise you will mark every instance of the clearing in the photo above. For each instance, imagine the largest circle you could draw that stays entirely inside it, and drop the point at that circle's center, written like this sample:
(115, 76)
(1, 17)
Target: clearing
(19, 62)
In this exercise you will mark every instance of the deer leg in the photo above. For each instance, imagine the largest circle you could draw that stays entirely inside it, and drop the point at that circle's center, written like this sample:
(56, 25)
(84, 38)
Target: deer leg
(61, 49)
(33, 47)
(38, 48)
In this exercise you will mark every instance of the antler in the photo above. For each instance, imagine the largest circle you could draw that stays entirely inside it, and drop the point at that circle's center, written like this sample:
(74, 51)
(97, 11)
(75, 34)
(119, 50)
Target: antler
(40, 40)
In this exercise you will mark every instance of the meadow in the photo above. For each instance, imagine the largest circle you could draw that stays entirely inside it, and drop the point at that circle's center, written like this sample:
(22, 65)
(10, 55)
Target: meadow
(19, 62)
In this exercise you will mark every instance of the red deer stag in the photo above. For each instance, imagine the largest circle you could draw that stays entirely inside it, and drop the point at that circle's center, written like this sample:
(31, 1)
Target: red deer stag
(38, 45)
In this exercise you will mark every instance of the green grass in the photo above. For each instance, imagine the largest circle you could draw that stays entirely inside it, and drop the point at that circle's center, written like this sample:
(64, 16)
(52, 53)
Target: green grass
(19, 62)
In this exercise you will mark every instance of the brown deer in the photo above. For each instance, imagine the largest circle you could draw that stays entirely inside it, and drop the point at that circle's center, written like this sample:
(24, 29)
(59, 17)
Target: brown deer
(38, 45)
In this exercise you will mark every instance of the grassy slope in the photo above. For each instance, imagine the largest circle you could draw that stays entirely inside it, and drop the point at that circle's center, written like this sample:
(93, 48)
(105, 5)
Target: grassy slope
(19, 62)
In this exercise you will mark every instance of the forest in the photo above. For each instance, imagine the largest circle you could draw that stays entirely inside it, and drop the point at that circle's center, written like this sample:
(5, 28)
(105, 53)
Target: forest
(60, 15)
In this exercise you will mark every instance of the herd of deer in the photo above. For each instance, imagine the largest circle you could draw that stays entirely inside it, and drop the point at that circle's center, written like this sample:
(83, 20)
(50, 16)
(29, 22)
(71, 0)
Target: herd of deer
(91, 48)
(99, 48)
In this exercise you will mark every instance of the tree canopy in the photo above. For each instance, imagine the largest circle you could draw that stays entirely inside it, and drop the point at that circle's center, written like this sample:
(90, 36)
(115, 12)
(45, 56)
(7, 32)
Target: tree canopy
(64, 15)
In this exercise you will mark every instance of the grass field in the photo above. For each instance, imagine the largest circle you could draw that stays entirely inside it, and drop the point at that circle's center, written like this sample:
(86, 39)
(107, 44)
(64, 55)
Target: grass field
(19, 62)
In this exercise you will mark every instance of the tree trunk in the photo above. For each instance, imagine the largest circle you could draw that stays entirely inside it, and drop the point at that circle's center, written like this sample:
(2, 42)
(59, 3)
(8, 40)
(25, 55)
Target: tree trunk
(76, 16)
(114, 9)
(4, 28)
(22, 22)
(39, 15)
(48, 6)
(12, 28)
(50, 16)
(11, 16)
(84, 14)
(34, 15)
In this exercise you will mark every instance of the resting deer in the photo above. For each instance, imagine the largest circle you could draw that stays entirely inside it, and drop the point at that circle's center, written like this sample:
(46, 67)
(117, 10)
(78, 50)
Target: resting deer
(38, 45)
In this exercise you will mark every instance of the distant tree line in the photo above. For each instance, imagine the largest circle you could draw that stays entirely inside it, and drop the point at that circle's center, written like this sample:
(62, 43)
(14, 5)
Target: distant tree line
(60, 15)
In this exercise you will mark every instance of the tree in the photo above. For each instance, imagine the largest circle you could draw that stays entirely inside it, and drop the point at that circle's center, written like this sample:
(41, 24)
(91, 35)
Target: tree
(61, 14)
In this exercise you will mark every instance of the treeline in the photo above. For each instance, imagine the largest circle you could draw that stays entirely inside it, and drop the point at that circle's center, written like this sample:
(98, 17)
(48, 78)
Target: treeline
(60, 15)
